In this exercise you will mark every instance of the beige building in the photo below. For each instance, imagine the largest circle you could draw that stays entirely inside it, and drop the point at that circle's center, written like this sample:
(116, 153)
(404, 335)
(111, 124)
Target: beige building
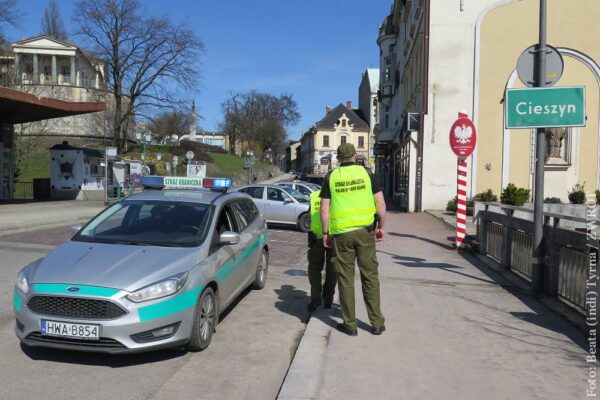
(503, 155)
(319, 144)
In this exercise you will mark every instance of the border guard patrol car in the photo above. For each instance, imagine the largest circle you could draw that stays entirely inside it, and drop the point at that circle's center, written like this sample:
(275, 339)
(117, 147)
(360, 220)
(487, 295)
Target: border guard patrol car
(149, 272)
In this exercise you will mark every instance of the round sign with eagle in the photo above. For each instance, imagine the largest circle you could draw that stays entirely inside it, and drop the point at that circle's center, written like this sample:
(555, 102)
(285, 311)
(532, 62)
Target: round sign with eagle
(463, 137)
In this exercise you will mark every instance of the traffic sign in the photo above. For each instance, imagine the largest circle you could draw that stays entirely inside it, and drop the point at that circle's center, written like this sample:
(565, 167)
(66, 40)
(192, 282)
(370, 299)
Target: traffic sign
(544, 107)
(554, 66)
(189, 155)
(463, 137)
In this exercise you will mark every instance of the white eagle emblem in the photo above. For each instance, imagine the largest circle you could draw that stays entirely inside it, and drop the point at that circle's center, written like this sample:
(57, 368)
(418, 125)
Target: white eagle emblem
(463, 134)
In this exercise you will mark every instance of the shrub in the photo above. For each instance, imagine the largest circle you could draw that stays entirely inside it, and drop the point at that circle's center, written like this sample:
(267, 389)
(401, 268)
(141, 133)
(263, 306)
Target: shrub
(552, 200)
(577, 194)
(514, 195)
(487, 196)
(451, 205)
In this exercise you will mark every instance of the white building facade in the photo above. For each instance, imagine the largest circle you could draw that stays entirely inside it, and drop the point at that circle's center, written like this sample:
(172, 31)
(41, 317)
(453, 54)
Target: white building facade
(427, 66)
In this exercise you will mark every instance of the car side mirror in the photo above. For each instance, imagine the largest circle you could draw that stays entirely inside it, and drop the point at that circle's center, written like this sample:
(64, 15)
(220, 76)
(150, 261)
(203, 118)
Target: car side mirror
(76, 227)
(287, 200)
(228, 238)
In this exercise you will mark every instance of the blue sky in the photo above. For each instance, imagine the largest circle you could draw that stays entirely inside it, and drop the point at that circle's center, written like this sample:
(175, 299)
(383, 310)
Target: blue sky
(313, 49)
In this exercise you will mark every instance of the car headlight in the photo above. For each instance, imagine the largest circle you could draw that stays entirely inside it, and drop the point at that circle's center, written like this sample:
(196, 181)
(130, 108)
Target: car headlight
(160, 289)
(22, 281)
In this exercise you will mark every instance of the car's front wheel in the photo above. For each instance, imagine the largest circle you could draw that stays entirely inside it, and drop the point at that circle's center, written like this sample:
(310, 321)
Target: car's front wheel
(304, 222)
(204, 322)
(261, 271)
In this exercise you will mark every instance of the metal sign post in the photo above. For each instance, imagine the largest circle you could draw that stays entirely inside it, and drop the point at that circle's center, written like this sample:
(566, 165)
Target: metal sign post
(537, 278)
(463, 138)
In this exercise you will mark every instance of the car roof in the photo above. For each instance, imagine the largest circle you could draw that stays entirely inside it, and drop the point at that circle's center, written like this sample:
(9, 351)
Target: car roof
(189, 196)
(257, 184)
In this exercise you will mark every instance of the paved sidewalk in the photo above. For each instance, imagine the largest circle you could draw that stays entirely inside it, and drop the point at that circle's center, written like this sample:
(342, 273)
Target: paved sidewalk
(455, 330)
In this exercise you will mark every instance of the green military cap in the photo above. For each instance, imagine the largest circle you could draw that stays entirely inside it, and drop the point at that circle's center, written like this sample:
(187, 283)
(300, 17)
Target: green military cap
(345, 150)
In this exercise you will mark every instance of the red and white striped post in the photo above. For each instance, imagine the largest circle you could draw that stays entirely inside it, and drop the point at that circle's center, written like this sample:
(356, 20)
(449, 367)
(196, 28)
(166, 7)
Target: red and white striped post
(463, 138)
(461, 203)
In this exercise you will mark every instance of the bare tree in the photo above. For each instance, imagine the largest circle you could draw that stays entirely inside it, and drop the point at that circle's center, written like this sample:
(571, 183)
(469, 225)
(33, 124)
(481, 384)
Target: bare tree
(258, 119)
(170, 123)
(151, 60)
(9, 15)
(52, 23)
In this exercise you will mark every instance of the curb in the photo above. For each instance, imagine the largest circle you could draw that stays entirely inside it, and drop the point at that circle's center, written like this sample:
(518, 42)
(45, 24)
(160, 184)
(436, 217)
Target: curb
(303, 379)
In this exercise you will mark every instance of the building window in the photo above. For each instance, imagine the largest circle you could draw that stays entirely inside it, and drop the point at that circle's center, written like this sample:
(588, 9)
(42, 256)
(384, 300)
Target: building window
(325, 161)
(388, 69)
(343, 140)
(386, 117)
(361, 141)
(325, 140)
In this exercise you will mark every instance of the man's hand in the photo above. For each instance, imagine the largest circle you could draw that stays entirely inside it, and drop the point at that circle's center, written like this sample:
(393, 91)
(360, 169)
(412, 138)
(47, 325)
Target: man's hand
(327, 241)
(379, 234)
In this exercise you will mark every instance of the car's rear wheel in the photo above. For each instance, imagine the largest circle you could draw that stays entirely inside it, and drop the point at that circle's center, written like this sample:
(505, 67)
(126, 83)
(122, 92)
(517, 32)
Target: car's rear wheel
(204, 322)
(261, 271)
(304, 222)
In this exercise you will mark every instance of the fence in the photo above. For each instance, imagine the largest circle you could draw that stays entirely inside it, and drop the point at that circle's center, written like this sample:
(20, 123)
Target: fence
(509, 241)
(23, 191)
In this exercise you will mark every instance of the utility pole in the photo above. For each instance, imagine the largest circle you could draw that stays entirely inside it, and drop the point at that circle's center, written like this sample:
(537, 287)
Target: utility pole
(540, 154)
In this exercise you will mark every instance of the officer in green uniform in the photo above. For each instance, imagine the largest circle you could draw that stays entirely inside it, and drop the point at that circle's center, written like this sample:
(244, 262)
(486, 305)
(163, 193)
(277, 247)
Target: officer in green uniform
(350, 197)
(319, 256)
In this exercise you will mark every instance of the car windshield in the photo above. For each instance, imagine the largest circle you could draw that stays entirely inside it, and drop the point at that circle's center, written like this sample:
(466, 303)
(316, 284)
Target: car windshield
(297, 195)
(144, 222)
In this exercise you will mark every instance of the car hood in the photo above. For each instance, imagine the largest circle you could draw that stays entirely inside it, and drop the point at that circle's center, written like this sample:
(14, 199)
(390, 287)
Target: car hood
(124, 267)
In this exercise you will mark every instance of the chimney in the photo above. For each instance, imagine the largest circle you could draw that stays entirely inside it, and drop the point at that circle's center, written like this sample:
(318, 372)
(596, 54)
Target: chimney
(349, 105)
(327, 109)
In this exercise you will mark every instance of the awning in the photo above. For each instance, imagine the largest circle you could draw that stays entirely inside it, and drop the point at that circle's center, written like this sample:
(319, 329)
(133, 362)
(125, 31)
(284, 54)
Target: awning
(18, 107)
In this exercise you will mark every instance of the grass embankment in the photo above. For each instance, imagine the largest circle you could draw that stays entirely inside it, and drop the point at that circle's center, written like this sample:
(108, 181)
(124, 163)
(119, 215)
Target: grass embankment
(37, 165)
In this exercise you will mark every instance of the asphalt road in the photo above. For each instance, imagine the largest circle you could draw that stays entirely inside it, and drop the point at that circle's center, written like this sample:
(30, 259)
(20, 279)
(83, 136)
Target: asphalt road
(247, 359)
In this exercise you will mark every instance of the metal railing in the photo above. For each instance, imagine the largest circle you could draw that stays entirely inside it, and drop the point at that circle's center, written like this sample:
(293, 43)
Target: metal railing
(572, 276)
(494, 240)
(508, 240)
(23, 191)
(521, 254)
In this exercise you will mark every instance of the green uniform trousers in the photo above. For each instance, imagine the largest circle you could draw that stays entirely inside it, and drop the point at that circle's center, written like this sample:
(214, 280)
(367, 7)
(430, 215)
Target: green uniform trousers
(358, 245)
(319, 256)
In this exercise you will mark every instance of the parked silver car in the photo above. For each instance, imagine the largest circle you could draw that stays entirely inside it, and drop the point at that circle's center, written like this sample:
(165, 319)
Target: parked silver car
(306, 188)
(151, 271)
(280, 205)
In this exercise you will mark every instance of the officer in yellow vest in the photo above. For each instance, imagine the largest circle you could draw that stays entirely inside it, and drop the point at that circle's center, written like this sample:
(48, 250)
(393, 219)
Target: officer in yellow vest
(350, 197)
(318, 256)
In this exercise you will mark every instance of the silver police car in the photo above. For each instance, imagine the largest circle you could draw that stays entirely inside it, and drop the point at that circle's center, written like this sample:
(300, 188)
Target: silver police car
(151, 271)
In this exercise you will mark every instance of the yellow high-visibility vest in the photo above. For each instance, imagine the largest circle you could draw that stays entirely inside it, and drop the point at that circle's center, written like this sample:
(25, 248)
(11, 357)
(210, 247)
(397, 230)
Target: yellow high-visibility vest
(315, 214)
(352, 202)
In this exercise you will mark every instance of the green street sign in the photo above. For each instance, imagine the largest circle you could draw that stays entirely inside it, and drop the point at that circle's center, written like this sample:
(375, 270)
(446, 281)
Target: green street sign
(544, 107)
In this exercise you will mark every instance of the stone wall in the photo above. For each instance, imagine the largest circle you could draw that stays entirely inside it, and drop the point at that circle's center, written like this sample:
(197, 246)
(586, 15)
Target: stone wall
(96, 125)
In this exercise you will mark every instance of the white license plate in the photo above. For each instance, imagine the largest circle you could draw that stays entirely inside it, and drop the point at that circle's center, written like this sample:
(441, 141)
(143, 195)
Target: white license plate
(67, 329)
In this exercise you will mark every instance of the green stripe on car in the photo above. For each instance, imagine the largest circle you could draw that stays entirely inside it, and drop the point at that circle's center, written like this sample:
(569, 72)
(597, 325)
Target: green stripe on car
(237, 262)
(186, 300)
(171, 306)
(17, 301)
(60, 288)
